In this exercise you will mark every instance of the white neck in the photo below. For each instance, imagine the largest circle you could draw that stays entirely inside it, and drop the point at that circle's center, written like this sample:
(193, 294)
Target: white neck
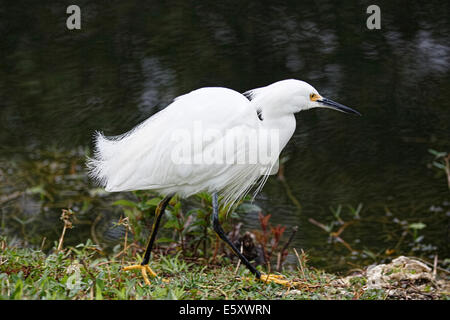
(280, 118)
(285, 125)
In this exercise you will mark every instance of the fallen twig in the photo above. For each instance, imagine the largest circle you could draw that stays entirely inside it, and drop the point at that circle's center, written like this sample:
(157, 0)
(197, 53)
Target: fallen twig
(10, 197)
(335, 235)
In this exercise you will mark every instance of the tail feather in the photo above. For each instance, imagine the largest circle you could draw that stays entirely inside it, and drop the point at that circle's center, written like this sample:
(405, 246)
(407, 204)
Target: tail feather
(104, 150)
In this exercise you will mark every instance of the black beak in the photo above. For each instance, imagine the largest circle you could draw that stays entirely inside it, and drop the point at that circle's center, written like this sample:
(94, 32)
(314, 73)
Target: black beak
(327, 103)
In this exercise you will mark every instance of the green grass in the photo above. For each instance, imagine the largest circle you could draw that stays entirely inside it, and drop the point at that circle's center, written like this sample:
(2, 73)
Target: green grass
(82, 273)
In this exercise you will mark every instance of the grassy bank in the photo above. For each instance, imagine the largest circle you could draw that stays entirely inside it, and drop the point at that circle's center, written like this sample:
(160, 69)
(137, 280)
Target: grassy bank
(81, 272)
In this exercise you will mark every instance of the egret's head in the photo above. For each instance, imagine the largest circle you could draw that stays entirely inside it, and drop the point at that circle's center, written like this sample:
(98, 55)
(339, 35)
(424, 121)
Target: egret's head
(291, 96)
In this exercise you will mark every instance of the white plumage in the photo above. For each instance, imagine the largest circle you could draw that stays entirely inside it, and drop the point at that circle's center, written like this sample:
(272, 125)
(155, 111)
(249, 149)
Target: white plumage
(143, 158)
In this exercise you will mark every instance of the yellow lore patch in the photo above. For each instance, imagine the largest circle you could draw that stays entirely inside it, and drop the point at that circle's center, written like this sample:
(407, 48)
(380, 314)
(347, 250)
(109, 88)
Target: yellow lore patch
(314, 97)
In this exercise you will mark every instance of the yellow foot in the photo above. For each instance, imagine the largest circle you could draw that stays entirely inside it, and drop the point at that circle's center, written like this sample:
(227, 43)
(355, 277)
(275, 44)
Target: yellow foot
(276, 278)
(144, 270)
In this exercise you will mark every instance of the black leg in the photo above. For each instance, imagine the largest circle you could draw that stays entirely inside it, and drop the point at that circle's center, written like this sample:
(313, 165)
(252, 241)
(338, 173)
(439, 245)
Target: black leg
(221, 233)
(158, 214)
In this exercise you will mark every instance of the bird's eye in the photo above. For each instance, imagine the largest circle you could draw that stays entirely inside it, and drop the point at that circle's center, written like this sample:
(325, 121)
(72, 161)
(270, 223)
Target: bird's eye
(313, 97)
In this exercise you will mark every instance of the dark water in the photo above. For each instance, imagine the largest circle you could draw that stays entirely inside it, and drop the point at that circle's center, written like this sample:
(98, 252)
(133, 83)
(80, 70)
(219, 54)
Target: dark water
(131, 59)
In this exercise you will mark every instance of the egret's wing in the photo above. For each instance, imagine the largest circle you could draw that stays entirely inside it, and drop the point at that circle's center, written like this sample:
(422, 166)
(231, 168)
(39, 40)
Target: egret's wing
(146, 157)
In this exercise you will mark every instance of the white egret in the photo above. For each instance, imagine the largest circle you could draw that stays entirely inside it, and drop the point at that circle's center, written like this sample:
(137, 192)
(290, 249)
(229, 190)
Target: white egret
(166, 154)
